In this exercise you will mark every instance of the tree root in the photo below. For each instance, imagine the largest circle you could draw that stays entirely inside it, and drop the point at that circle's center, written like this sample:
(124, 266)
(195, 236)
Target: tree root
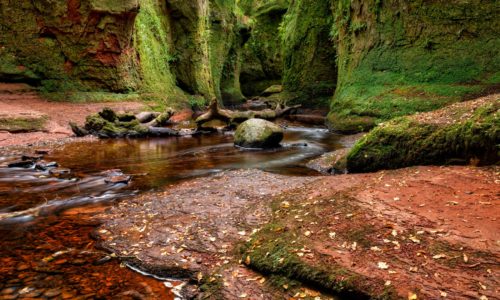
(230, 116)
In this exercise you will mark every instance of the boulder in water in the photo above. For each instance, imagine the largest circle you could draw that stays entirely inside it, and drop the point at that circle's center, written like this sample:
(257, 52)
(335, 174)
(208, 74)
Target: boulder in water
(258, 133)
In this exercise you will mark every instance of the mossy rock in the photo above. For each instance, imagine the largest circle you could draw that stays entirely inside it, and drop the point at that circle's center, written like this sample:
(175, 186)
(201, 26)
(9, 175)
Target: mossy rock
(100, 125)
(467, 132)
(23, 124)
(258, 133)
(350, 124)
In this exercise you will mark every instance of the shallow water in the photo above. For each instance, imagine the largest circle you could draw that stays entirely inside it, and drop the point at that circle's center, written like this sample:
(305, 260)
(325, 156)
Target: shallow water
(55, 214)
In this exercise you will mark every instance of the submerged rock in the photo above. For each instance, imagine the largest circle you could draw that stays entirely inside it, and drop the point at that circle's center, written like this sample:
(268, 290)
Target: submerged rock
(330, 163)
(258, 133)
(21, 164)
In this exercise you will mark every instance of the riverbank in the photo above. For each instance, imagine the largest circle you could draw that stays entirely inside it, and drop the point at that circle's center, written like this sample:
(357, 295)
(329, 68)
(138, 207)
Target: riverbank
(425, 231)
(28, 119)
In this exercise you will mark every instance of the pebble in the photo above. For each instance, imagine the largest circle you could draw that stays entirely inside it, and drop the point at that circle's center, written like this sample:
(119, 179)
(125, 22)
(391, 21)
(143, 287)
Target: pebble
(33, 294)
(67, 295)
(42, 151)
(23, 267)
(52, 293)
(21, 164)
(10, 290)
(118, 179)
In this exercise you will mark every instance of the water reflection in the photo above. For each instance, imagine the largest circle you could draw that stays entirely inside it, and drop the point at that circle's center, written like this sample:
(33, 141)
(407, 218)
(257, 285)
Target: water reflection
(49, 214)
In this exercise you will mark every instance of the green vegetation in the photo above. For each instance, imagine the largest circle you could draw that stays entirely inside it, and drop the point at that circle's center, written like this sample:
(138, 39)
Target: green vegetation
(153, 48)
(309, 70)
(273, 251)
(406, 141)
(391, 65)
(23, 124)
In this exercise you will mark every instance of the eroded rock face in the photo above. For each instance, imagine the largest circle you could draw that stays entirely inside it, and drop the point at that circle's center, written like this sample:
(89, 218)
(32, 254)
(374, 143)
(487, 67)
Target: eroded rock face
(83, 43)
(258, 133)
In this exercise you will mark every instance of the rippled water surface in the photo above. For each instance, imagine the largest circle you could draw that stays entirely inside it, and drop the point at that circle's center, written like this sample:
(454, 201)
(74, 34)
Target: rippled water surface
(45, 245)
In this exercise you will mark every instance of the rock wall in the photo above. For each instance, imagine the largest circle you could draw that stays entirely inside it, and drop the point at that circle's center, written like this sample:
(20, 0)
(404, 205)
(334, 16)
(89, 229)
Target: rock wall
(398, 57)
(309, 69)
(381, 59)
(262, 63)
(84, 44)
(162, 50)
(205, 37)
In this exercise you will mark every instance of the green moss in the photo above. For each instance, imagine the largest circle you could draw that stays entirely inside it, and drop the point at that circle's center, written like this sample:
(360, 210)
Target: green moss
(23, 124)
(397, 58)
(154, 52)
(405, 142)
(271, 252)
(310, 70)
(262, 62)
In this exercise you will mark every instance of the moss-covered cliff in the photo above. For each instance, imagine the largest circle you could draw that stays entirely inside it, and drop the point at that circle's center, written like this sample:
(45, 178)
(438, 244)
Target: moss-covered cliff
(262, 63)
(398, 57)
(68, 44)
(164, 50)
(309, 70)
(381, 59)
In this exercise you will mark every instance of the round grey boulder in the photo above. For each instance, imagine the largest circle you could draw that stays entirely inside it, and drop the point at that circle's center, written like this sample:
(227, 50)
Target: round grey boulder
(258, 133)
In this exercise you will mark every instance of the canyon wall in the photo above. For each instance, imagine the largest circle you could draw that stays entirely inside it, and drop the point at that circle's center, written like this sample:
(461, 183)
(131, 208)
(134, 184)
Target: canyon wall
(367, 60)
(398, 57)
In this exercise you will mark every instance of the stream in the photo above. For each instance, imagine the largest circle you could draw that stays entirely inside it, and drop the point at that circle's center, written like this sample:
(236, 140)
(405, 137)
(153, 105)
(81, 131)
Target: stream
(46, 248)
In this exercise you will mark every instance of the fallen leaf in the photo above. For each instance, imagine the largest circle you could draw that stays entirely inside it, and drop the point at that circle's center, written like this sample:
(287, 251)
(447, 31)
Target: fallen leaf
(382, 265)
(466, 258)
(412, 296)
(414, 239)
(439, 256)
(443, 294)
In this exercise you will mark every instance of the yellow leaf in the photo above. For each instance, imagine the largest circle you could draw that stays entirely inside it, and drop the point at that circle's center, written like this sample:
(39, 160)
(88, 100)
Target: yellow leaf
(382, 265)
(412, 296)
(247, 260)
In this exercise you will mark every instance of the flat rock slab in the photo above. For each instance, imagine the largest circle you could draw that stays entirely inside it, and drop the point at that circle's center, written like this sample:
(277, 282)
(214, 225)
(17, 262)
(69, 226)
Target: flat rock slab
(190, 230)
(424, 232)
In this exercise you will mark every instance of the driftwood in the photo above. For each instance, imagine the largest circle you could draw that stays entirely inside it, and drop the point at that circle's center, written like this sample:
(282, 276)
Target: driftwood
(214, 112)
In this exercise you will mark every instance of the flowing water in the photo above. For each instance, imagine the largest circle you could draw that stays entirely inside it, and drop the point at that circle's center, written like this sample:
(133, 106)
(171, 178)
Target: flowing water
(46, 220)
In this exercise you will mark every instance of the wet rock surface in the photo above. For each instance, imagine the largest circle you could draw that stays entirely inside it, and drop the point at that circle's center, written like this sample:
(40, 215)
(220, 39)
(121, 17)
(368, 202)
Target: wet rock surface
(392, 233)
(258, 133)
(416, 233)
(191, 230)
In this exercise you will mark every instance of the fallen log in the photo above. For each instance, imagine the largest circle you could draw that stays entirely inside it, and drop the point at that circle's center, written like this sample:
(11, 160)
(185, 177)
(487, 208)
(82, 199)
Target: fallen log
(214, 112)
